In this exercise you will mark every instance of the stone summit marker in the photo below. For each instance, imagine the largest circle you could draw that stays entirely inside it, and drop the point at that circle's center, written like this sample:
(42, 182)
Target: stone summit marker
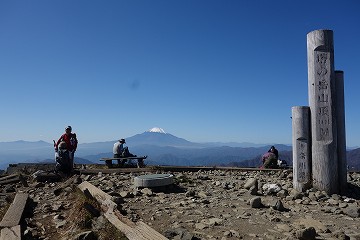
(327, 156)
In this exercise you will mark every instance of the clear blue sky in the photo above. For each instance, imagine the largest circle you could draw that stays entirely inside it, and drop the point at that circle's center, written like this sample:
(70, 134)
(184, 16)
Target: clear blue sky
(202, 70)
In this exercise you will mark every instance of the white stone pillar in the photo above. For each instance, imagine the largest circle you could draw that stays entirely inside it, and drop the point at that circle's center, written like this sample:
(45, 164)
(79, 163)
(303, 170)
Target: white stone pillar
(341, 133)
(321, 84)
(301, 141)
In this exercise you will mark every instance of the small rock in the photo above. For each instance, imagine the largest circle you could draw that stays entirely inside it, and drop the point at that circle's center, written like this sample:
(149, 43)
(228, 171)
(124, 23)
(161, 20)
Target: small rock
(271, 188)
(87, 177)
(232, 233)
(251, 182)
(349, 200)
(343, 205)
(282, 193)
(253, 190)
(126, 194)
(256, 202)
(352, 211)
(147, 191)
(306, 234)
(214, 221)
(279, 206)
(320, 194)
(333, 202)
(296, 195)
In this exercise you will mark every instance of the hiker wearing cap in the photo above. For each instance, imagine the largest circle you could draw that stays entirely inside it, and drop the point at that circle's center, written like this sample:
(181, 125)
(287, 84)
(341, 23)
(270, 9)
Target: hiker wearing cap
(120, 151)
(69, 141)
(119, 148)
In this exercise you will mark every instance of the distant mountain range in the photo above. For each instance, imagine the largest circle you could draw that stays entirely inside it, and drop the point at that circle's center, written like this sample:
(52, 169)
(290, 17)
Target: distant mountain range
(161, 148)
(353, 159)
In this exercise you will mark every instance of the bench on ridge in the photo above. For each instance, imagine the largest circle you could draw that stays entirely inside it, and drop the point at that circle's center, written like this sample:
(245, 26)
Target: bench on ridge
(122, 160)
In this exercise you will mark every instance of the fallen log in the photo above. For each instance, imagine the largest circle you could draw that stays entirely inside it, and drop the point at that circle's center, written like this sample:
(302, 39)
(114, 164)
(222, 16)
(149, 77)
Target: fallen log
(132, 230)
(13, 214)
(10, 179)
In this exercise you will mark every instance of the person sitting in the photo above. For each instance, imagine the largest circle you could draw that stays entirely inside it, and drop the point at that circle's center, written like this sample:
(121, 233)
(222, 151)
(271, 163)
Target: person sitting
(62, 159)
(269, 160)
(120, 151)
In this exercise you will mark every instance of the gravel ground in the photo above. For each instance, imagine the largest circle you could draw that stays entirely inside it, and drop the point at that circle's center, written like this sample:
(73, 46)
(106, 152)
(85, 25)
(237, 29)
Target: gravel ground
(237, 205)
(215, 204)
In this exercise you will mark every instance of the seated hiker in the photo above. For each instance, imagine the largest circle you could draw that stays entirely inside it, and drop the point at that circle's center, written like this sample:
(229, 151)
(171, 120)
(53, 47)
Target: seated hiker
(120, 151)
(63, 161)
(269, 160)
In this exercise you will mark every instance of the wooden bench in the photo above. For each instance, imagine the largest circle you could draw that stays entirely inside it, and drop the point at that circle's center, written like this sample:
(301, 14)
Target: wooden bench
(122, 160)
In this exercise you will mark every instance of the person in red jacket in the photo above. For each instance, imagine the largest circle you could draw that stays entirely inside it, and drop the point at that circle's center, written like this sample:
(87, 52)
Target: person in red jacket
(71, 143)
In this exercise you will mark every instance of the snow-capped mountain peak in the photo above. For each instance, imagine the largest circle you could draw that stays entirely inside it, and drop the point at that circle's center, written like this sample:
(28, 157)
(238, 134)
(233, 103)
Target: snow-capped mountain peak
(157, 130)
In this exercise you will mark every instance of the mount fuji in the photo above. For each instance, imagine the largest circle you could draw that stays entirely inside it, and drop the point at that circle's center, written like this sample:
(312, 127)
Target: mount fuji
(158, 137)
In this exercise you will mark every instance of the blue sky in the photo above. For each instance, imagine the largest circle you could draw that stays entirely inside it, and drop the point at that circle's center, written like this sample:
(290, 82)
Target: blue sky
(202, 70)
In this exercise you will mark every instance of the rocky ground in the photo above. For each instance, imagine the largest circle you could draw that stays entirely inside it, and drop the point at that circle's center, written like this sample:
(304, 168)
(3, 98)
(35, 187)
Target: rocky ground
(214, 204)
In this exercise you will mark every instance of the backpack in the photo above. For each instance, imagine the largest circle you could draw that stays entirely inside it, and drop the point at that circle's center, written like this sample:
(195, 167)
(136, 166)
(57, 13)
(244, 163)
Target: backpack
(282, 163)
(62, 161)
(125, 152)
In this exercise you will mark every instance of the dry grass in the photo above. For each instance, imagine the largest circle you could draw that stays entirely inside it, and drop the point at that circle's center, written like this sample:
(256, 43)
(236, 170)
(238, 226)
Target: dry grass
(82, 218)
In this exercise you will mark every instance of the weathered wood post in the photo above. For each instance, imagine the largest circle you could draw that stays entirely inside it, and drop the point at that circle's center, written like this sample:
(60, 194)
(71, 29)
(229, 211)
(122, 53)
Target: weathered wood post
(301, 141)
(321, 87)
(341, 133)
